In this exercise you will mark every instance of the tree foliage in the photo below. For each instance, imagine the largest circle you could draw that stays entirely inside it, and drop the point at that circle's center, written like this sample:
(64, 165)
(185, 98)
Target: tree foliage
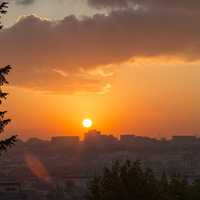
(129, 181)
(8, 142)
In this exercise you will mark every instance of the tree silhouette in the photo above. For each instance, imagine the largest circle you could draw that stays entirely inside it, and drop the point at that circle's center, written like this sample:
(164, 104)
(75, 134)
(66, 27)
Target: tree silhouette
(130, 181)
(124, 181)
(8, 142)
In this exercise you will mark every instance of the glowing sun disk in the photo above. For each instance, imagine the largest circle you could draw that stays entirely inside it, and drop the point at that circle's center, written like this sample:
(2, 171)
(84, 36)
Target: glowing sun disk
(87, 123)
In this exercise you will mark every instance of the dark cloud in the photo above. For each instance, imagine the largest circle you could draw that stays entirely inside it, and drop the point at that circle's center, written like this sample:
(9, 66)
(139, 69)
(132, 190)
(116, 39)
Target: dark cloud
(160, 4)
(26, 2)
(109, 3)
(67, 55)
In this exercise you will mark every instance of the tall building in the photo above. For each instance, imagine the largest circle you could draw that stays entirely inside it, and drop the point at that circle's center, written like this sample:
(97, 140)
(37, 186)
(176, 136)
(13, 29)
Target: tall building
(96, 139)
(92, 137)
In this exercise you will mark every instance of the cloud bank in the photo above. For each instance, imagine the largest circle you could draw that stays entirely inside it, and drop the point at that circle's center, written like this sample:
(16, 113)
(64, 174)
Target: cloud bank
(161, 4)
(74, 55)
(22, 2)
(25, 2)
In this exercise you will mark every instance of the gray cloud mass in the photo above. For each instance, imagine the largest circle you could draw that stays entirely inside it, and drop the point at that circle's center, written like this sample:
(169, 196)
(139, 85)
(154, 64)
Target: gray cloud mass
(161, 4)
(59, 56)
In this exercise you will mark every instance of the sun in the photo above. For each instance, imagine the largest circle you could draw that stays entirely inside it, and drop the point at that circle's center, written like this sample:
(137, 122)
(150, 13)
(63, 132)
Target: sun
(87, 123)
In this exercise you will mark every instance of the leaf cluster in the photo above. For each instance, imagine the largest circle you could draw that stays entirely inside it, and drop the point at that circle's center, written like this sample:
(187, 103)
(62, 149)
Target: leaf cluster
(130, 181)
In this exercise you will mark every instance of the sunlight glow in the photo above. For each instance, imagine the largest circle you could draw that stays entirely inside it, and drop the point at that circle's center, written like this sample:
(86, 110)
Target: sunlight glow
(87, 123)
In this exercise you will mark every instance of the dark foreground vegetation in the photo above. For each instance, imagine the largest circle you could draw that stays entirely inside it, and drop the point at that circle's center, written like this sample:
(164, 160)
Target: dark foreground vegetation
(6, 142)
(129, 181)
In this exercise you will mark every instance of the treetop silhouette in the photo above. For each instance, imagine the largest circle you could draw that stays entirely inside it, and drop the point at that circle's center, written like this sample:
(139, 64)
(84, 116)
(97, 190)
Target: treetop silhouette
(7, 142)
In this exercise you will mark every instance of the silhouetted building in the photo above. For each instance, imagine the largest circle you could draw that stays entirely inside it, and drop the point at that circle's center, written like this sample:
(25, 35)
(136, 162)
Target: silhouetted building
(10, 191)
(65, 141)
(127, 139)
(136, 141)
(36, 143)
(96, 139)
(184, 140)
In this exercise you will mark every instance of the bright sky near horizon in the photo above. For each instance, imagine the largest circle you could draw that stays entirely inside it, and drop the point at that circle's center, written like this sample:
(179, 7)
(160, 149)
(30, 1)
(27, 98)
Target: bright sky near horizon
(131, 66)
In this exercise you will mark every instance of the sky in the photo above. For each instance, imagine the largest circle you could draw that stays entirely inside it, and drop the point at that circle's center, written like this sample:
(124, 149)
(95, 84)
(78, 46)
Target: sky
(132, 66)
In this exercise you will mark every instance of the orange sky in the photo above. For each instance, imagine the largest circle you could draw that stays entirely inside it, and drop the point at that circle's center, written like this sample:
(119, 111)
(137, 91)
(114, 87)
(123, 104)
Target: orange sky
(147, 97)
(130, 68)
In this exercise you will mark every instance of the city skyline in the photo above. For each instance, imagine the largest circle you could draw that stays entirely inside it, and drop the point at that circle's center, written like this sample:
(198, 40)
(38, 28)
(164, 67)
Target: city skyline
(81, 138)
